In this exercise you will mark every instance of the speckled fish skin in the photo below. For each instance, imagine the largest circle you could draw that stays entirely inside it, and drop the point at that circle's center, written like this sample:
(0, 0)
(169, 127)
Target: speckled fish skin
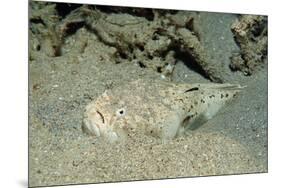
(157, 108)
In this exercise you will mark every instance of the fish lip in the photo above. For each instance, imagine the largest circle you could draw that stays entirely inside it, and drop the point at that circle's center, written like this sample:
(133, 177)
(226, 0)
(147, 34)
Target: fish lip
(91, 128)
(96, 124)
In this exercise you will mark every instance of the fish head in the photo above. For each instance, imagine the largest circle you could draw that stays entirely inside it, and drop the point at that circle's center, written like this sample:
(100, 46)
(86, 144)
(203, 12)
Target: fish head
(106, 117)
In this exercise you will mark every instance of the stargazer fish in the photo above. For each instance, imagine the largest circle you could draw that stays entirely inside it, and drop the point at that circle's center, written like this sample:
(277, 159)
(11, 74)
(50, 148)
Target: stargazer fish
(161, 109)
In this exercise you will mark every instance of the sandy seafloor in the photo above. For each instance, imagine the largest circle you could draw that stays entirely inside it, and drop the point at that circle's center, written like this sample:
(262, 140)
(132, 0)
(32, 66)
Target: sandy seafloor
(233, 142)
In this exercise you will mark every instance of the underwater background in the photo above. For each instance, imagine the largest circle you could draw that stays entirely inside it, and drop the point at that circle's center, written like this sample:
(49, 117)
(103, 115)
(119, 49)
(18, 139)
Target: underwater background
(76, 52)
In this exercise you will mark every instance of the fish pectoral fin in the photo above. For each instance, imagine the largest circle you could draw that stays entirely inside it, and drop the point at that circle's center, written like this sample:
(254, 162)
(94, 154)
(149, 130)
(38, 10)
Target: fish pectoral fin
(170, 126)
(197, 122)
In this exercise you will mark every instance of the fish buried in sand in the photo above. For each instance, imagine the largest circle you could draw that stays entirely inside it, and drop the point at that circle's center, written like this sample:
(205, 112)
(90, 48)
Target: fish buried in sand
(157, 108)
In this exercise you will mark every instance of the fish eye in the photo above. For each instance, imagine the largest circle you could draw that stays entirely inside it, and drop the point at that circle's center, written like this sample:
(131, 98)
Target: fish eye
(120, 112)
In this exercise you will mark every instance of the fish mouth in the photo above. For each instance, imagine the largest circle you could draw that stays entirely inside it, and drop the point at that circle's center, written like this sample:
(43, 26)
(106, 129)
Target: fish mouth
(94, 129)
(90, 128)
(95, 124)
